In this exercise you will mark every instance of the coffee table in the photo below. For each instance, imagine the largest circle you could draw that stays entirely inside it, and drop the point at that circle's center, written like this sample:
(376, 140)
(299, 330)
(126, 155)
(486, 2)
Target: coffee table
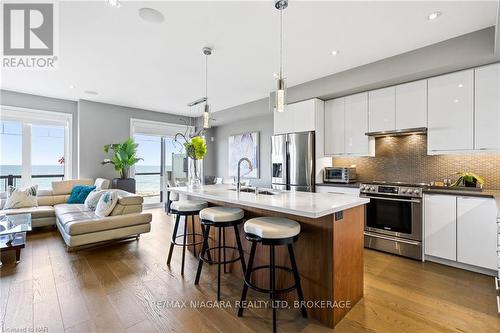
(13, 230)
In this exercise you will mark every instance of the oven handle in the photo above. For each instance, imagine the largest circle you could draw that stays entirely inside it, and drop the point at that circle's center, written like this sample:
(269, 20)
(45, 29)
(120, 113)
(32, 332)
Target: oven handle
(395, 239)
(392, 199)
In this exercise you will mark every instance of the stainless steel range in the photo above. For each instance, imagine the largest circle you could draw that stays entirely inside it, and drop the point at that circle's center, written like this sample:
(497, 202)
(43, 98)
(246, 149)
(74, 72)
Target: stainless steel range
(394, 217)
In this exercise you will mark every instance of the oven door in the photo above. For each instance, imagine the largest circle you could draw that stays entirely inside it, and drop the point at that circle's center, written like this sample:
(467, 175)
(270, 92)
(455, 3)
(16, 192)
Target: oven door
(398, 217)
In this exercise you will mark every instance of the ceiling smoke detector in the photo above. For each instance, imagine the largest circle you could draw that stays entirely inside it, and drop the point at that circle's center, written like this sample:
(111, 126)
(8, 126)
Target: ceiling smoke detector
(151, 15)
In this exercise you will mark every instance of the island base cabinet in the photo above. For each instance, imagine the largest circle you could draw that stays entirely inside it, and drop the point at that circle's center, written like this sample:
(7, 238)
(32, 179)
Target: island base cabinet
(440, 236)
(476, 232)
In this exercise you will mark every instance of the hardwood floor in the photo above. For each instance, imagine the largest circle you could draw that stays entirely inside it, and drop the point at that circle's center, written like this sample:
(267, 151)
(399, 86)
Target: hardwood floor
(121, 287)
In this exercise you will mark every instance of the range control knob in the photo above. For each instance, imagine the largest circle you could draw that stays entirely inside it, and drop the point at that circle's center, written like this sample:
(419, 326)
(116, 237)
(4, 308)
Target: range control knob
(363, 187)
(403, 190)
(372, 188)
(416, 192)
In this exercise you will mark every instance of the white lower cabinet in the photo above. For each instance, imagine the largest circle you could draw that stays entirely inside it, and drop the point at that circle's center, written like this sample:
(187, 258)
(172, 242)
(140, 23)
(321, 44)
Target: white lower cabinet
(461, 229)
(440, 237)
(476, 232)
(337, 189)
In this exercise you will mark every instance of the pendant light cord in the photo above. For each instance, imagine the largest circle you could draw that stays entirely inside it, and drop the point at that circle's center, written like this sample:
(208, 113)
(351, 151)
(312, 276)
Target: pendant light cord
(281, 43)
(206, 77)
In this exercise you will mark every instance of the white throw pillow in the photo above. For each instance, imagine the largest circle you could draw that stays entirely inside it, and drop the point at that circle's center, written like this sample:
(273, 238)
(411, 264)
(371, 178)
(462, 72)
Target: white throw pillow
(20, 198)
(106, 203)
(92, 199)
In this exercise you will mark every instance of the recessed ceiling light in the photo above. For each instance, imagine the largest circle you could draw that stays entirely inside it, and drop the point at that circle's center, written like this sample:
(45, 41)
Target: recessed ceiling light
(71, 86)
(114, 3)
(335, 52)
(151, 15)
(456, 101)
(91, 92)
(460, 85)
(434, 15)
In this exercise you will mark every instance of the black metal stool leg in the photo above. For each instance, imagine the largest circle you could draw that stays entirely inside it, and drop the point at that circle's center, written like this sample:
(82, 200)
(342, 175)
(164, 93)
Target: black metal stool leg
(184, 244)
(247, 278)
(206, 232)
(240, 249)
(272, 282)
(209, 257)
(218, 264)
(193, 236)
(176, 226)
(224, 249)
(297, 280)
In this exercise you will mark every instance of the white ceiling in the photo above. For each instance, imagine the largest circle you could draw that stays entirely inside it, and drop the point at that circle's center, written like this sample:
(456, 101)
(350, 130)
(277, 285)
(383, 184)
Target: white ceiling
(160, 66)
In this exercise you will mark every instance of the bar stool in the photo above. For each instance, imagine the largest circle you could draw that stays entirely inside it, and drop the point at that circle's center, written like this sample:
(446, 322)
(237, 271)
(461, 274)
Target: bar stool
(220, 218)
(272, 231)
(185, 208)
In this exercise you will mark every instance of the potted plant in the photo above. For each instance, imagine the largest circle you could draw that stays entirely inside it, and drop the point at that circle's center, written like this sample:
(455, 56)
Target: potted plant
(124, 157)
(196, 150)
(468, 179)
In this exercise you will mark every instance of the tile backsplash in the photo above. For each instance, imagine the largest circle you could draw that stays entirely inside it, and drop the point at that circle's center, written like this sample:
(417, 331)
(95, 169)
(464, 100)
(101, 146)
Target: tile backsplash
(404, 158)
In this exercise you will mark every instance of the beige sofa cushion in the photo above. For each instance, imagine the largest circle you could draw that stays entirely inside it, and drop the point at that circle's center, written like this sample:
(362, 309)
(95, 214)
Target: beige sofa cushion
(65, 186)
(36, 212)
(76, 220)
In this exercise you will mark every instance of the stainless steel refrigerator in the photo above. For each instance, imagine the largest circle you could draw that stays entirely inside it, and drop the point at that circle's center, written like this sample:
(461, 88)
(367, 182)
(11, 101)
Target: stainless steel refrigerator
(293, 161)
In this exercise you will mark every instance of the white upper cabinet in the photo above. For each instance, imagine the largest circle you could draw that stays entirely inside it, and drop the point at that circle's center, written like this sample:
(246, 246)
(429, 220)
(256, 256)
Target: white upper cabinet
(451, 112)
(334, 126)
(411, 105)
(298, 117)
(477, 232)
(356, 125)
(487, 107)
(440, 227)
(382, 110)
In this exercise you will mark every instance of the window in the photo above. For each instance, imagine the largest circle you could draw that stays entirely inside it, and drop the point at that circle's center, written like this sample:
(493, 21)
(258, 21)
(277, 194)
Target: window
(35, 147)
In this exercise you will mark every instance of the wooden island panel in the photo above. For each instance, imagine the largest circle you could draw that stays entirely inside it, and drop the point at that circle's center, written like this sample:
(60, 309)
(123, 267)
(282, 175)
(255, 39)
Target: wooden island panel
(329, 257)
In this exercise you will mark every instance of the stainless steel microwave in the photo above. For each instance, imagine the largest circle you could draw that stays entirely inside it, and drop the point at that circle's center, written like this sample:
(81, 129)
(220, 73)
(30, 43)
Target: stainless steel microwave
(339, 175)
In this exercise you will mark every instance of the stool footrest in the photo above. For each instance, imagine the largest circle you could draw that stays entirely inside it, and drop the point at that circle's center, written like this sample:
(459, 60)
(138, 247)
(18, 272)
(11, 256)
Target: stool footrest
(189, 243)
(267, 291)
(212, 262)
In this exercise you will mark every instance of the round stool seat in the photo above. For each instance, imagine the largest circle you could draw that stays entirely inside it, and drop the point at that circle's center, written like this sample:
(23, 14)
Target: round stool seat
(188, 205)
(272, 227)
(222, 214)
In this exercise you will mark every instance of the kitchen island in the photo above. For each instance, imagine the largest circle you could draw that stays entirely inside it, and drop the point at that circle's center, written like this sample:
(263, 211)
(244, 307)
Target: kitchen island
(329, 251)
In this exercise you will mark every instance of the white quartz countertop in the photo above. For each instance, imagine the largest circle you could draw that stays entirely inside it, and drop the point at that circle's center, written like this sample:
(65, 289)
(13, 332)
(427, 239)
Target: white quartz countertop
(313, 205)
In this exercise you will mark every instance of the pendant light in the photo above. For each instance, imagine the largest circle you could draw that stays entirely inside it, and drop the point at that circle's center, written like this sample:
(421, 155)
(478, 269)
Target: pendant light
(280, 94)
(206, 111)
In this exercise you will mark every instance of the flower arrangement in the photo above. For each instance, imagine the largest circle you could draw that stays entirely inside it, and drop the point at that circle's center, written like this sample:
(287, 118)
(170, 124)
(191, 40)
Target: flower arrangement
(196, 150)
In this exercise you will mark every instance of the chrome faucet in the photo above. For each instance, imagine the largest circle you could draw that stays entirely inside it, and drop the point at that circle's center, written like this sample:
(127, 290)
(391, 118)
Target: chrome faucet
(238, 183)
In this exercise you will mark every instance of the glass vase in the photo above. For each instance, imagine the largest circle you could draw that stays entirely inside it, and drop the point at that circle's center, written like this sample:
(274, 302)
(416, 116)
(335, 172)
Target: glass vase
(195, 167)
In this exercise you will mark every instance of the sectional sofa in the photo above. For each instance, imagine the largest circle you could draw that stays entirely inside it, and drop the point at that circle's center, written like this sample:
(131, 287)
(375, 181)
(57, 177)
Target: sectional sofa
(80, 227)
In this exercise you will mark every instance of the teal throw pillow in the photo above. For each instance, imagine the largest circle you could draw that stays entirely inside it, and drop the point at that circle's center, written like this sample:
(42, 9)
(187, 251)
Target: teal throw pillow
(79, 193)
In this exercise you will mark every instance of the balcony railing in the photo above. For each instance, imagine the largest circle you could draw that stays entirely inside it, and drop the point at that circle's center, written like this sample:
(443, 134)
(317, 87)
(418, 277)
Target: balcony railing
(149, 193)
(11, 180)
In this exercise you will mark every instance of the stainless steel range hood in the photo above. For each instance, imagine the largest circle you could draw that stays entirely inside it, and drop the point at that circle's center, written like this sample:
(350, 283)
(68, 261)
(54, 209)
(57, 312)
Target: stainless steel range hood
(406, 131)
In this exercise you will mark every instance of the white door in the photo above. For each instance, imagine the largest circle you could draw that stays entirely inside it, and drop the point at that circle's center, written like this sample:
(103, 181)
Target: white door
(282, 122)
(451, 112)
(356, 124)
(477, 231)
(440, 226)
(304, 115)
(411, 105)
(334, 126)
(487, 107)
(382, 110)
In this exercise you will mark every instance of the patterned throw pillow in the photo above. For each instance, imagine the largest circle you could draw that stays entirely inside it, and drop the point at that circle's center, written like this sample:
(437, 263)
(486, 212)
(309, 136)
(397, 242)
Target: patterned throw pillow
(93, 199)
(19, 198)
(79, 193)
(106, 203)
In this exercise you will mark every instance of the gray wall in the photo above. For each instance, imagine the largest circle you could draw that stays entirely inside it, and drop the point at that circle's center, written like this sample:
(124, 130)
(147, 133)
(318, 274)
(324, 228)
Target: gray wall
(12, 98)
(262, 124)
(101, 124)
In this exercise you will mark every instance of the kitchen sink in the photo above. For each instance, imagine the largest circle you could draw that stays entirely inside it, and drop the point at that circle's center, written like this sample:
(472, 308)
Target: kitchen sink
(252, 190)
